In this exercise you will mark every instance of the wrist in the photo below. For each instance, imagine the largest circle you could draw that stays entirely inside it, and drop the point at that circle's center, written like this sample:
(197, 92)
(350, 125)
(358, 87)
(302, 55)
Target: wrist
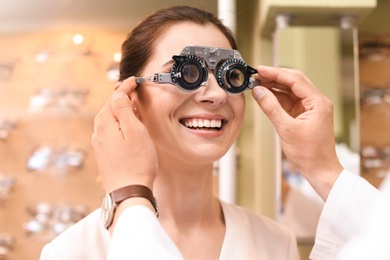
(323, 179)
(118, 184)
(114, 199)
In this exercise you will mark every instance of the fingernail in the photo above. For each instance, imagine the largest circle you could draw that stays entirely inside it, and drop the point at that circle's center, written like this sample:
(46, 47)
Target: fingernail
(258, 93)
(117, 95)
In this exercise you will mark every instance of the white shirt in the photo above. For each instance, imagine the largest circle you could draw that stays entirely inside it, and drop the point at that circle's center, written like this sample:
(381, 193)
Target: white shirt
(139, 235)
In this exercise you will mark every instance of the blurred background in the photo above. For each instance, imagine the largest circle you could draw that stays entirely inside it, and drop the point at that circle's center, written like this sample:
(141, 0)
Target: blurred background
(58, 64)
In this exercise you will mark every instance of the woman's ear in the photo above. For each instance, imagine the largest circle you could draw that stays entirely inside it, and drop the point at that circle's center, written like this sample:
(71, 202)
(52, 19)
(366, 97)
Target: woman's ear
(136, 112)
(135, 103)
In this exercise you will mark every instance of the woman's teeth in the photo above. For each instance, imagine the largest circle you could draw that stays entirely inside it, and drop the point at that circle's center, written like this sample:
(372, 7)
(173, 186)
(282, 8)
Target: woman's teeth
(203, 123)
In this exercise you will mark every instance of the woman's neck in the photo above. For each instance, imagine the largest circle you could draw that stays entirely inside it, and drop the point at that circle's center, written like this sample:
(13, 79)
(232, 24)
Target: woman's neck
(186, 194)
(189, 211)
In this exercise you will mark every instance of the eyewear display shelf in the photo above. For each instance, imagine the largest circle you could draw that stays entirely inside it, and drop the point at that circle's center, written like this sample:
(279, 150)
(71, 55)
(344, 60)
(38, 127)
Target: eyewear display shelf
(50, 89)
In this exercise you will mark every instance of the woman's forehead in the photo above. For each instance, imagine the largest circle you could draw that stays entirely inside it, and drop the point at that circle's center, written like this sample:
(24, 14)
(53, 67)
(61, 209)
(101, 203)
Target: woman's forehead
(178, 36)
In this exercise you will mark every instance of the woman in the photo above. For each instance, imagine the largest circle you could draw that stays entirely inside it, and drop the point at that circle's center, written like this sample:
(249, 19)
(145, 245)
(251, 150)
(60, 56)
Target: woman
(303, 118)
(168, 141)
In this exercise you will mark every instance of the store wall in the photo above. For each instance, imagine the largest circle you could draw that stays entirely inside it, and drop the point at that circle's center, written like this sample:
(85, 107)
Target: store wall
(246, 14)
(257, 149)
(50, 89)
(374, 92)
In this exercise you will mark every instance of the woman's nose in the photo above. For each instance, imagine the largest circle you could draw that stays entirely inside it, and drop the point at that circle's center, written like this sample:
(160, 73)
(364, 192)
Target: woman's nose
(211, 92)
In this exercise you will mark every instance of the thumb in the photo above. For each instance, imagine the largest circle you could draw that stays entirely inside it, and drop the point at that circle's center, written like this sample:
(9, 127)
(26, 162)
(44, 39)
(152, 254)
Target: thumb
(270, 106)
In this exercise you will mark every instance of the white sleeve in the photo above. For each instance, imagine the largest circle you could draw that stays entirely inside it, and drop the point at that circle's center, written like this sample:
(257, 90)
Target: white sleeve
(347, 210)
(373, 241)
(49, 253)
(138, 226)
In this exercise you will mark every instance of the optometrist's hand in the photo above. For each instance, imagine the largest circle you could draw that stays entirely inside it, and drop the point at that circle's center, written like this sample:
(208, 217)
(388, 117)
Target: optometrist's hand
(303, 119)
(124, 151)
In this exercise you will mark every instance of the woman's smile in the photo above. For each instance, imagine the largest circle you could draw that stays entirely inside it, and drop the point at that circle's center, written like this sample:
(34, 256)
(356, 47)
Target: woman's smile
(203, 124)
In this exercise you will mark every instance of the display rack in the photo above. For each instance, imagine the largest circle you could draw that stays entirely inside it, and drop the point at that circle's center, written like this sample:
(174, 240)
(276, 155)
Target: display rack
(51, 88)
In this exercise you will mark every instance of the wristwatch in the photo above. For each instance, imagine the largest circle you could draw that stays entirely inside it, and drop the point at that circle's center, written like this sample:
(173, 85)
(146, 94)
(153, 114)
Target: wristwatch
(114, 198)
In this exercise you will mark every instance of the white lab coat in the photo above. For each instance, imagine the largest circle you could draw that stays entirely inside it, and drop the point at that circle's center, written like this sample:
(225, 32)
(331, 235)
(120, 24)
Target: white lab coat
(354, 210)
(138, 235)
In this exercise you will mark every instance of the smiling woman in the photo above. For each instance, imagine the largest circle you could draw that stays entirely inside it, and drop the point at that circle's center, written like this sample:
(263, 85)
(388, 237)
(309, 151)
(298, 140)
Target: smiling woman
(168, 142)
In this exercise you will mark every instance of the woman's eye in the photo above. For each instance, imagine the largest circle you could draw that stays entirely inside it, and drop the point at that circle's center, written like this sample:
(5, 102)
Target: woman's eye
(235, 75)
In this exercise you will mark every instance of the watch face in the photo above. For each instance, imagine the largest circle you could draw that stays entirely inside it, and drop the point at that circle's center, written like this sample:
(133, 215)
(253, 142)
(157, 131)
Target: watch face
(107, 212)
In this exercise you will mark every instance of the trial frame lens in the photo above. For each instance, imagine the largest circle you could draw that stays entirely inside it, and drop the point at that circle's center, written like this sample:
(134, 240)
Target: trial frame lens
(190, 70)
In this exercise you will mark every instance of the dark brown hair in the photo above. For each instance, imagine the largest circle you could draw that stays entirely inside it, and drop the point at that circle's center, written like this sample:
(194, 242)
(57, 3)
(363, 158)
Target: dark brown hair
(140, 42)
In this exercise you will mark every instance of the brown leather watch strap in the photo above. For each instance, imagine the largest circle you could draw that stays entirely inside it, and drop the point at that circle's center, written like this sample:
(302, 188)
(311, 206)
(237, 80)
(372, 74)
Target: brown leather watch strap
(132, 191)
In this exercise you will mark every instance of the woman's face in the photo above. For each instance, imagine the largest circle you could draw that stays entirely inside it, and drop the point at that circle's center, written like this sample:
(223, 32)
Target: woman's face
(197, 127)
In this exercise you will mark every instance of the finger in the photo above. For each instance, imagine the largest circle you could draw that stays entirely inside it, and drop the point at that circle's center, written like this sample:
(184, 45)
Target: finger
(117, 85)
(297, 83)
(299, 73)
(284, 100)
(105, 114)
(292, 105)
(295, 72)
(288, 100)
(127, 86)
(122, 110)
(105, 117)
(287, 93)
(271, 106)
(274, 85)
